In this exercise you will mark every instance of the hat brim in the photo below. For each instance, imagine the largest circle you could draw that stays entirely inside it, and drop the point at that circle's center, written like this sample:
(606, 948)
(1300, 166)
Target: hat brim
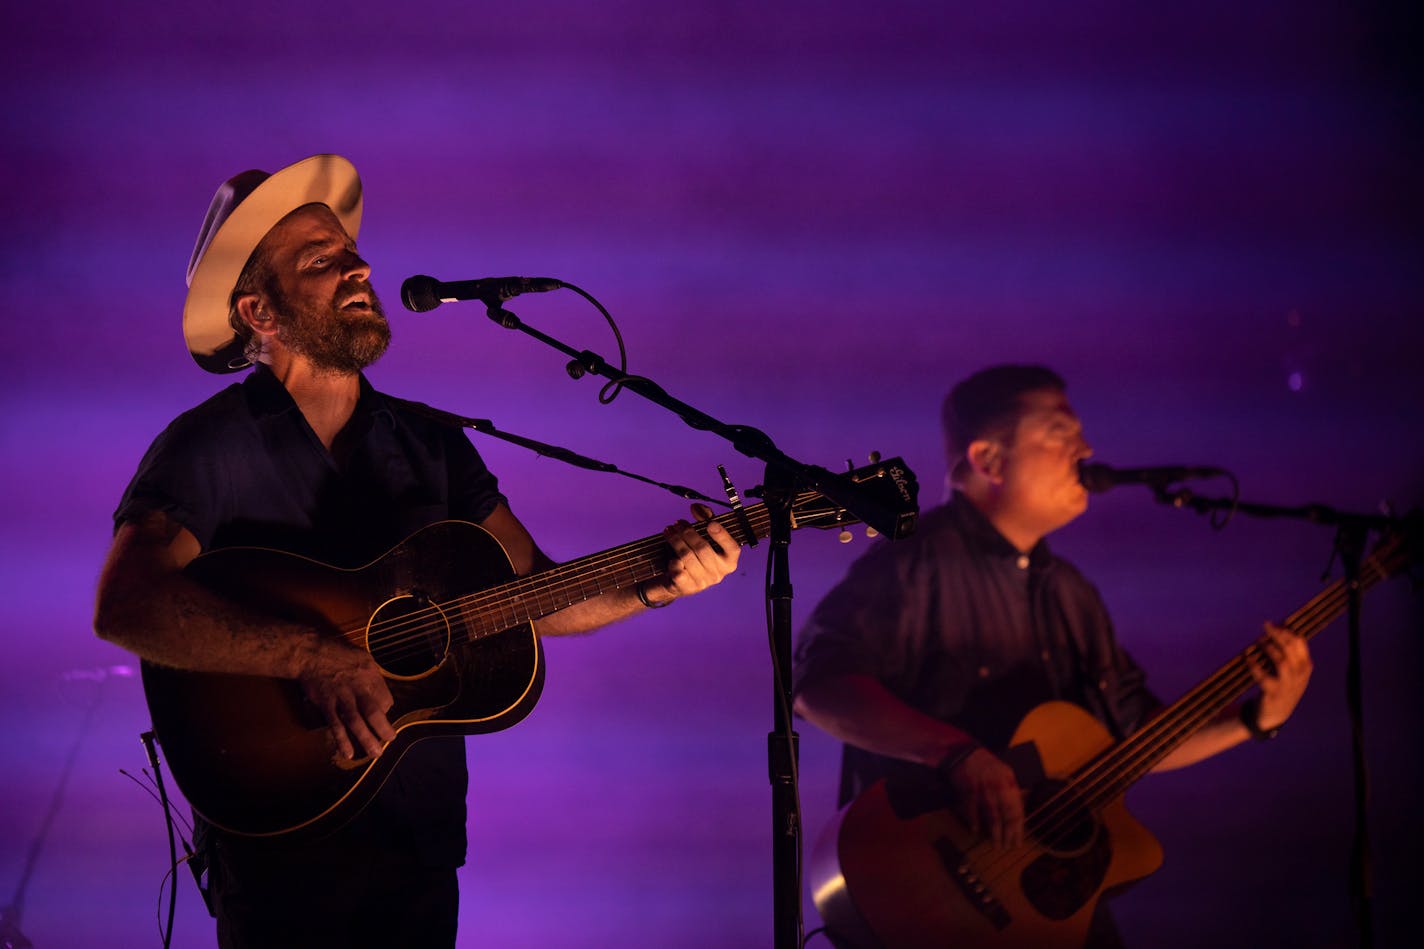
(322, 179)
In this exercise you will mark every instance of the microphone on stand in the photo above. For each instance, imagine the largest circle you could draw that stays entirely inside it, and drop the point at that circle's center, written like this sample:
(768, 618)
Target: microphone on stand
(421, 293)
(1099, 478)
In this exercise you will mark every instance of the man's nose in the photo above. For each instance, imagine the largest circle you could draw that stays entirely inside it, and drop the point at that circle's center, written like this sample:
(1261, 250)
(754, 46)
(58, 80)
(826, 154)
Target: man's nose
(353, 267)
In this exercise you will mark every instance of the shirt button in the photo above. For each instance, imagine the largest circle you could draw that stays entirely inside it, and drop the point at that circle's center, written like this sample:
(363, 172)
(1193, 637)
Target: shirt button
(983, 672)
(1022, 561)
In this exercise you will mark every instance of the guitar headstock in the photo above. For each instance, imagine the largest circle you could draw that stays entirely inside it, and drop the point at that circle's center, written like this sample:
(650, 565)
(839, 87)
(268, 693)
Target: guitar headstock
(887, 488)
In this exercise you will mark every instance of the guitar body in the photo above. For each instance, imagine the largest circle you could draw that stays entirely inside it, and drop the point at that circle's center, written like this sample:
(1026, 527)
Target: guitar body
(450, 625)
(898, 869)
(255, 758)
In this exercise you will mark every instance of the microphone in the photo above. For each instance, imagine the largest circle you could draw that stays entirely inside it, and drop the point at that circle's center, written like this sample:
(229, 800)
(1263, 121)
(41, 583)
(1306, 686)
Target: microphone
(421, 293)
(1098, 478)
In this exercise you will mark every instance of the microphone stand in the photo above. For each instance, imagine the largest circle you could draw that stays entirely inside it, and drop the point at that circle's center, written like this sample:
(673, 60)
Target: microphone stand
(10, 935)
(784, 476)
(1351, 531)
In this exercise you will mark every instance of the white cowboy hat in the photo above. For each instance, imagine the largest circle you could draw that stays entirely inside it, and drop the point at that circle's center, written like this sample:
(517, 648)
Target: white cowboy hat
(244, 209)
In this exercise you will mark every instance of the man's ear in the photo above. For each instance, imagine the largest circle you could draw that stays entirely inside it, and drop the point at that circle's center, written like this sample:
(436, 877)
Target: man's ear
(986, 457)
(256, 312)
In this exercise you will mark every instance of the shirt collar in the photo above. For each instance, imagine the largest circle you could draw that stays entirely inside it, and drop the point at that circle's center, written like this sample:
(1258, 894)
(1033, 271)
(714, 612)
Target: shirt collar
(267, 396)
(984, 535)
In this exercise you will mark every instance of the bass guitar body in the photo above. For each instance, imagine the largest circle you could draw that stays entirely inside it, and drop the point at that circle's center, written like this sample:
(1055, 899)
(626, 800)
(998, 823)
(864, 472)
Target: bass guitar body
(255, 758)
(898, 869)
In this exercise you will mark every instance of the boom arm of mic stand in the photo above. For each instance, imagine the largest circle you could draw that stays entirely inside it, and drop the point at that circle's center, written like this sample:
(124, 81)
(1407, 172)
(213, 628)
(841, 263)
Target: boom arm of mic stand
(749, 441)
(1315, 513)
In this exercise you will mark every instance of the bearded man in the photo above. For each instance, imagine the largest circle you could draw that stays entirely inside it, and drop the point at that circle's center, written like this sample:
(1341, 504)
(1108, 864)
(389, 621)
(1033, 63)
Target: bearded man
(304, 456)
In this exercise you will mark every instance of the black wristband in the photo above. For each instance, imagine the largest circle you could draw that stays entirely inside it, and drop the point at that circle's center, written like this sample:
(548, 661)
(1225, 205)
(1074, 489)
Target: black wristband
(1251, 718)
(643, 598)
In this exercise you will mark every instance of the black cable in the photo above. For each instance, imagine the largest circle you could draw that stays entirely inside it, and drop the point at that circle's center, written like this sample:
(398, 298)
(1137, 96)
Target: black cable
(148, 740)
(1235, 501)
(152, 792)
(617, 337)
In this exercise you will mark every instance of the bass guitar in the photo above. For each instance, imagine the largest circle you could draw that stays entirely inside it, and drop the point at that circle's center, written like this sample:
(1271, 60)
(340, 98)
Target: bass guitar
(451, 627)
(897, 868)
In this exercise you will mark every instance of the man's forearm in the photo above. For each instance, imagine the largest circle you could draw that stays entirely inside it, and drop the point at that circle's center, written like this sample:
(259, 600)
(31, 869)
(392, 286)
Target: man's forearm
(173, 621)
(591, 614)
(1223, 732)
(860, 711)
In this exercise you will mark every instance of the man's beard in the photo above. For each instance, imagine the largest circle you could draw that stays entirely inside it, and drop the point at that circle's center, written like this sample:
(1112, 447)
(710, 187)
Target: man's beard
(332, 339)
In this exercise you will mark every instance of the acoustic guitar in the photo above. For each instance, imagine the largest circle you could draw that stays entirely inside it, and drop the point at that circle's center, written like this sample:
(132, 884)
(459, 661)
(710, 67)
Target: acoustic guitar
(898, 869)
(451, 627)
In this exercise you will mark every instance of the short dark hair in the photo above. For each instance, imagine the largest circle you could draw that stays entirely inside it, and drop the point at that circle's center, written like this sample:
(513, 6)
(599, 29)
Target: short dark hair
(989, 404)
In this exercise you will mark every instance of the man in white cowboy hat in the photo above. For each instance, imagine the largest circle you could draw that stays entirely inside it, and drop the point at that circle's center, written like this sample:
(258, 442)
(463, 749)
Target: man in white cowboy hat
(304, 456)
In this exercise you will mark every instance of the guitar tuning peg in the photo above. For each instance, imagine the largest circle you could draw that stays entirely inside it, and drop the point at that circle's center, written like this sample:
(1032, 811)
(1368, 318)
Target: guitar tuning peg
(850, 465)
(875, 458)
(871, 532)
(845, 536)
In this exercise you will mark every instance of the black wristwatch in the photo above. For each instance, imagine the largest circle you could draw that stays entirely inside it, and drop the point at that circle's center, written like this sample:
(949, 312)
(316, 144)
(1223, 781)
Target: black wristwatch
(1251, 718)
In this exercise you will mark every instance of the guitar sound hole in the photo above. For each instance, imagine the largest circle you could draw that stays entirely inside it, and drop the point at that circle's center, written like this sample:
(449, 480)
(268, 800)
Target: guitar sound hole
(408, 636)
(1077, 851)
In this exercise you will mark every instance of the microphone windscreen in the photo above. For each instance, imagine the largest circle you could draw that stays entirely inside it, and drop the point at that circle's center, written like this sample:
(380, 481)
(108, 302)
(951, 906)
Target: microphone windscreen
(1096, 478)
(419, 295)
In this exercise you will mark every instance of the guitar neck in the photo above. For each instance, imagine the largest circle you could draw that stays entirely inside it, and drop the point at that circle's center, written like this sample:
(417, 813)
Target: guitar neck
(537, 595)
(1110, 774)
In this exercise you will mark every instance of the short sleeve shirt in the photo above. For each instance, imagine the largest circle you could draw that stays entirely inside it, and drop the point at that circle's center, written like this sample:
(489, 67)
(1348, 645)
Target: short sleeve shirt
(245, 468)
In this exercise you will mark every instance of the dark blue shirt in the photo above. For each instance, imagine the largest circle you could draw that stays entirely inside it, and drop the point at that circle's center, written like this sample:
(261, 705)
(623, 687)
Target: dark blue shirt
(245, 468)
(959, 625)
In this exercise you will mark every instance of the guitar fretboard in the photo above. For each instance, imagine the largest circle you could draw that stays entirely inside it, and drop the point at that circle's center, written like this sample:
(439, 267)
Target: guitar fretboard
(529, 598)
(1108, 775)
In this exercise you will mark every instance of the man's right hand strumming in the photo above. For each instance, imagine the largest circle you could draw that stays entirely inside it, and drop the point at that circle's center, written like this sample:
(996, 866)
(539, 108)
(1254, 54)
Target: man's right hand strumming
(346, 684)
(987, 797)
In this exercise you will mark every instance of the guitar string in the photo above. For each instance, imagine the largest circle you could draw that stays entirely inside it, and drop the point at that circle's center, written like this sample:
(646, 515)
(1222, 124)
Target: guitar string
(407, 635)
(554, 593)
(1148, 745)
(415, 625)
(1155, 741)
(1152, 744)
(1108, 775)
(1159, 738)
(410, 630)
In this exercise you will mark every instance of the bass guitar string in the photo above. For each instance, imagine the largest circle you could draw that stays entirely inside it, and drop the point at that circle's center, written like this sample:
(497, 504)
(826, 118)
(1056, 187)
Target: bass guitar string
(1103, 778)
(1156, 740)
(1107, 775)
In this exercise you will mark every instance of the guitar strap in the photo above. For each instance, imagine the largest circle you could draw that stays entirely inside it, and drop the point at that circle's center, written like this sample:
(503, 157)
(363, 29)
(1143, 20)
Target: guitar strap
(545, 450)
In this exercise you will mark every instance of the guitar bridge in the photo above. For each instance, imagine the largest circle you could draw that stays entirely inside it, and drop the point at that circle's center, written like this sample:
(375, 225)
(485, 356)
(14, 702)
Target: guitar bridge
(970, 884)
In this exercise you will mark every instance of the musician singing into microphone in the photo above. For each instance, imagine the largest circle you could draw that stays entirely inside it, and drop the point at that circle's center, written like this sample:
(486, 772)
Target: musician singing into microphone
(925, 658)
(304, 456)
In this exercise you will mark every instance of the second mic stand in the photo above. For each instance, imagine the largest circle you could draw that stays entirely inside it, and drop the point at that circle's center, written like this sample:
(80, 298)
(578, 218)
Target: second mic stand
(1351, 531)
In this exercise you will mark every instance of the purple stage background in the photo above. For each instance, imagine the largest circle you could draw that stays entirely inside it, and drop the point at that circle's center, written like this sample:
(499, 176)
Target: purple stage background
(808, 217)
